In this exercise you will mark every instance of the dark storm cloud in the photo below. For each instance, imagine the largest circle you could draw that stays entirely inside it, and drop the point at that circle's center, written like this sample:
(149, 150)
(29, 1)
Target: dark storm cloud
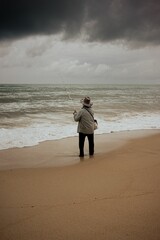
(100, 20)
(20, 18)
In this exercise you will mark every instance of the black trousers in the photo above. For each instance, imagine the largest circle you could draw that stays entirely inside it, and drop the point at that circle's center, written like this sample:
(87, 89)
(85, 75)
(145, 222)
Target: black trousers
(82, 137)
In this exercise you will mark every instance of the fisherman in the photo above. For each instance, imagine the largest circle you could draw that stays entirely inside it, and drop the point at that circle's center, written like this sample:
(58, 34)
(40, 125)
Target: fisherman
(85, 119)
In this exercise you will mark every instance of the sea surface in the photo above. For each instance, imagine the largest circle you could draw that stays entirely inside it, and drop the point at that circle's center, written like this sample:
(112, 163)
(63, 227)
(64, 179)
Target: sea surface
(30, 114)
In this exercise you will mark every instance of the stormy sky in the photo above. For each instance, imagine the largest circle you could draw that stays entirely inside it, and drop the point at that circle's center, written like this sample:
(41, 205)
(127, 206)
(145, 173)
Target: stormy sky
(79, 41)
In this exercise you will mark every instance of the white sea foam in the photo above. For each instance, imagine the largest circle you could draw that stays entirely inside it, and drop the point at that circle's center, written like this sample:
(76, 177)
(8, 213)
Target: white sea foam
(36, 133)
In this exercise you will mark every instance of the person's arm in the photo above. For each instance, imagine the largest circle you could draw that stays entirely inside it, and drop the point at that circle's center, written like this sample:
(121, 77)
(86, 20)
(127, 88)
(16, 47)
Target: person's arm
(77, 116)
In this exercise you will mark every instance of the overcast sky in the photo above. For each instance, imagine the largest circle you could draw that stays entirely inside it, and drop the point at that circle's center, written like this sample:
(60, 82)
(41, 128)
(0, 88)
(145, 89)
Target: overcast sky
(80, 41)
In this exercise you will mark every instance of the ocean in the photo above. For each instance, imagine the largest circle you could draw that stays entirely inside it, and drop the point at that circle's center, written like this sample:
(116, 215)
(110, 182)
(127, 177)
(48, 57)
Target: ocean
(30, 114)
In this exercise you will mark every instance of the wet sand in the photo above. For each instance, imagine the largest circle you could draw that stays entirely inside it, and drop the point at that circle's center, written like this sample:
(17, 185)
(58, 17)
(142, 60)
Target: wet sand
(47, 192)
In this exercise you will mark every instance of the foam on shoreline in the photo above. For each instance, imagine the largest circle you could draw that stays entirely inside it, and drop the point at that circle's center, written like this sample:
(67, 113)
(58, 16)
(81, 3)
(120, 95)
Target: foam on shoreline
(65, 151)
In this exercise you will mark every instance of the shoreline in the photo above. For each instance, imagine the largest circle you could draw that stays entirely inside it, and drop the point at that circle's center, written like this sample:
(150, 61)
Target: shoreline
(32, 135)
(64, 152)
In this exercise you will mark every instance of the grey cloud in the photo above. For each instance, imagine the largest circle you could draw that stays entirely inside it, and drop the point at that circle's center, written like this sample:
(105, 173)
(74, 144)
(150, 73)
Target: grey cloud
(133, 21)
(136, 22)
(39, 47)
(5, 48)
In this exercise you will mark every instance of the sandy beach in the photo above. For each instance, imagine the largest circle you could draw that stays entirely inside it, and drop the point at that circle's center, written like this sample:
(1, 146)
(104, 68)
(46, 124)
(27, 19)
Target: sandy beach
(47, 192)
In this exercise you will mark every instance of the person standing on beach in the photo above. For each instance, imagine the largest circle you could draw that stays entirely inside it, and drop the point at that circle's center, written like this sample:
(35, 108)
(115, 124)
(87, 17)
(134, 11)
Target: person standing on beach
(85, 119)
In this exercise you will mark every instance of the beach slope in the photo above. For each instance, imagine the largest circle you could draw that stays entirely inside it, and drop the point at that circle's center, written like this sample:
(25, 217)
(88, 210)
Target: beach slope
(115, 195)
